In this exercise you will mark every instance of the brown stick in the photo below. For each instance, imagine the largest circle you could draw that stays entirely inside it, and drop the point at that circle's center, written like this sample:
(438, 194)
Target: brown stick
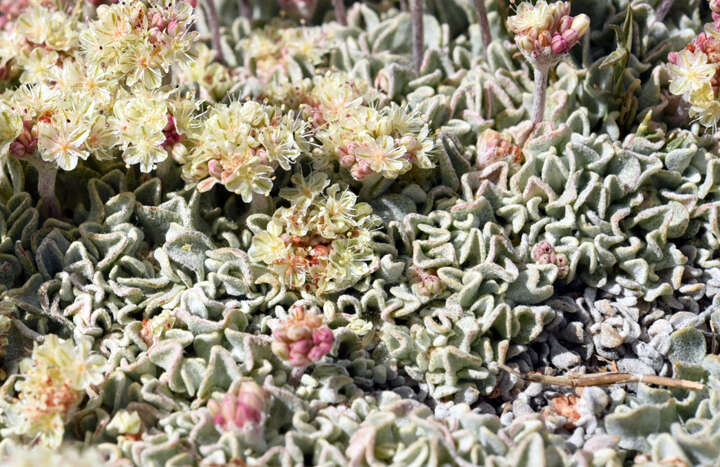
(215, 29)
(604, 379)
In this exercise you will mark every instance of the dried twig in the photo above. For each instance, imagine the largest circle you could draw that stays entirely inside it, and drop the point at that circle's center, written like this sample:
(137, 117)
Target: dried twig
(215, 29)
(604, 379)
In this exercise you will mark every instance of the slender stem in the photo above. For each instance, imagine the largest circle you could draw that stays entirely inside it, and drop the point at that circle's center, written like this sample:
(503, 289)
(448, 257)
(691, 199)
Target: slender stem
(504, 11)
(245, 8)
(483, 23)
(47, 173)
(541, 78)
(663, 9)
(340, 13)
(586, 50)
(404, 5)
(215, 29)
(417, 13)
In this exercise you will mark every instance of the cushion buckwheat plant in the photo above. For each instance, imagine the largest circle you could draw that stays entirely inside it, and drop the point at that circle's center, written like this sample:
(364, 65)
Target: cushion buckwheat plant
(370, 233)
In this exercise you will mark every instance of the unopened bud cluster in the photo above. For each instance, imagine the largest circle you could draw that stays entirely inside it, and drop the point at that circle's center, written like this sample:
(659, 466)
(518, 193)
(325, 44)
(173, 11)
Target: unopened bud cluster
(240, 408)
(544, 253)
(302, 338)
(427, 282)
(544, 32)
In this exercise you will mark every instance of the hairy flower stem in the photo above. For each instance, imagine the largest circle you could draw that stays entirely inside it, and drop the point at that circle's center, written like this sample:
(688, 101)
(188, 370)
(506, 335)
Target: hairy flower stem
(663, 9)
(417, 13)
(340, 13)
(245, 9)
(404, 5)
(215, 28)
(47, 173)
(541, 78)
(483, 23)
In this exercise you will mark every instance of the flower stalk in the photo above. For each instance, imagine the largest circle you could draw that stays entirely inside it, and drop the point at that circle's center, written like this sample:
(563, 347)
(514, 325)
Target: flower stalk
(417, 12)
(663, 9)
(340, 12)
(545, 33)
(541, 79)
(245, 9)
(483, 23)
(47, 175)
(215, 29)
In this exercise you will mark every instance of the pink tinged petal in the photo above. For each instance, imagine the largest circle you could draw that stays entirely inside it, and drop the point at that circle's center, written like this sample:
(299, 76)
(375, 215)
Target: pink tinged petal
(206, 184)
(214, 168)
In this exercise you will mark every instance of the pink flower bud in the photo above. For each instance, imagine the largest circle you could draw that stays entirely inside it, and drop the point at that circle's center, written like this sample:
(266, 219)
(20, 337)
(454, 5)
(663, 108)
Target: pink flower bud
(323, 335)
(580, 24)
(541, 250)
(244, 406)
(565, 23)
(301, 347)
(157, 21)
(319, 351)
(299, 360)
(672, 58)
(172, 28)
(347, 161)
(562, 43)
(302, 339)
(361, 170)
